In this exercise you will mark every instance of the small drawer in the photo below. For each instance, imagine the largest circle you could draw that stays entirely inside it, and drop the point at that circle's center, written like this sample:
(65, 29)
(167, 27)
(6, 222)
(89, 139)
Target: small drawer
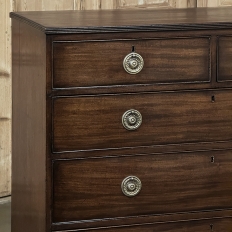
(224, 59)
(132, 120)
(100, 63)
(96, 188)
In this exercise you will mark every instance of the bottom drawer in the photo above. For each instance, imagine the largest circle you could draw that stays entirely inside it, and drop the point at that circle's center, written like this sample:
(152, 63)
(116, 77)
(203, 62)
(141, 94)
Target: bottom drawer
(215, 225)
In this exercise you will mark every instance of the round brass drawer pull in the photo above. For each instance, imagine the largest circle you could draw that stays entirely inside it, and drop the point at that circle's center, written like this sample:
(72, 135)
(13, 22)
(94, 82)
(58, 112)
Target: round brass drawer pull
(133, 63)
(132, 119)
(131, 186)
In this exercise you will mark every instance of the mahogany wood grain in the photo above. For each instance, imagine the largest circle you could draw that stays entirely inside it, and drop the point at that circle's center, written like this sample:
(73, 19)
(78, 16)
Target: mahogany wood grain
(95, 122)
(128, 20)
(143, 220)
(100, 63)
(70, 150)
(224, 58)
(91, 188)
(147, 87)
(207, 225)
(29, 129)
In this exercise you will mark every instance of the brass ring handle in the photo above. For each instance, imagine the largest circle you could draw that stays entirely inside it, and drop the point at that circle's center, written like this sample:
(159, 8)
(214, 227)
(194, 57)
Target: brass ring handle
(133, 63)
(132, 119)
(131, 186)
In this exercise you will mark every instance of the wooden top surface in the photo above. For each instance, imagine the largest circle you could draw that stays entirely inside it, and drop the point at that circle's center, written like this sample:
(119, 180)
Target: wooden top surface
(52, 22)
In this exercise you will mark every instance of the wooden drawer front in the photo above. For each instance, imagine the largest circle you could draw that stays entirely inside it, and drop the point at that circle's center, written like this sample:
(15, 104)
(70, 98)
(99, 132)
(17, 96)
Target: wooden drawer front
(97, 63)
(95, 122)
(224, 59)
(91, 188)
(208, 225)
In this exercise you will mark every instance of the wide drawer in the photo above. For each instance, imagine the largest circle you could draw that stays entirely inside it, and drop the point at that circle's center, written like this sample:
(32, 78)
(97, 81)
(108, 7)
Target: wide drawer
(208, 225)
(95, 122)
(224, 58)
(100, 63)
(92, 188)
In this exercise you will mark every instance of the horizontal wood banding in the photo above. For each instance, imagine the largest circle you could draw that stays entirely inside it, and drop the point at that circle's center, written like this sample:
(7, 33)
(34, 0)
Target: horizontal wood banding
(221, 224)
(144, 220)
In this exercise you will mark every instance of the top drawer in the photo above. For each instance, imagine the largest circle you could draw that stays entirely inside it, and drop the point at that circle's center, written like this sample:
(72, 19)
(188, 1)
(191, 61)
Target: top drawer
(100, 63)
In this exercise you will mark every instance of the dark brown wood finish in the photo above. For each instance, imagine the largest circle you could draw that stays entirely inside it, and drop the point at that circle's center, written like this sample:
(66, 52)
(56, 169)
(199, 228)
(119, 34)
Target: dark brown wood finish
(128, 20)
(29, 129)
(144, 220)
(224, 58)
(132, 87)
(216, 225)
(100, 63)
(70, 150)
(156, 149)
(91, 189)
(172, 117)
(49, 190)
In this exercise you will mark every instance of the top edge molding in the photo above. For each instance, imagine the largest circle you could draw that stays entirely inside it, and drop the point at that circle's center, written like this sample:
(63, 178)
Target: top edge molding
(103, 21)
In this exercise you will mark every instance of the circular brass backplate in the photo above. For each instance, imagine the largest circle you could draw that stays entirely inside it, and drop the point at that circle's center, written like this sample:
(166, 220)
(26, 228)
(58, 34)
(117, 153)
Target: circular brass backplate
(132, 119)
(133, 63)
(131, 186)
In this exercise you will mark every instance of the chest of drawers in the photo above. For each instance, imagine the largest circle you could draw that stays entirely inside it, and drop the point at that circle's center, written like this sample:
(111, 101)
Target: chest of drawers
(122, 121)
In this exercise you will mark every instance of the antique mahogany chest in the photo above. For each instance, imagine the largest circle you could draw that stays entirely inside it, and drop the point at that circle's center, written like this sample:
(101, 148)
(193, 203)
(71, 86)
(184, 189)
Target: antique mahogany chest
(122, 121)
